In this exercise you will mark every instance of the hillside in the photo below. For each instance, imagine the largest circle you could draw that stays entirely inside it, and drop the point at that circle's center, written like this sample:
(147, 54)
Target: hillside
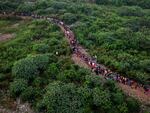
(37, 66)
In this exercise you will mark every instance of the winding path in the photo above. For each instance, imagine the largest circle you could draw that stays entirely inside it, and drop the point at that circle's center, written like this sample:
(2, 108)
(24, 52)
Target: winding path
(137, 93)
(80, 55)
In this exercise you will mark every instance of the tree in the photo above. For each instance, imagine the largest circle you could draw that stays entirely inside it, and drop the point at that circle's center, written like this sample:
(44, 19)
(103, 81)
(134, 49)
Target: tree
(101, 98)
(18, 86)
(41, 48)
(130, 11)
(25, 7)
(62, 98)
(117, 98)
(69, 18)
(29, 67)
(53, 70)
(93, 81)
(110, 85)
(122, 108)
(67, 75)
(41, 61)
(102, 1)
(41, 4)
(145, 65)
(2, 76)
(25, 68)
(8, 5)
(28, 94)
(133, 105)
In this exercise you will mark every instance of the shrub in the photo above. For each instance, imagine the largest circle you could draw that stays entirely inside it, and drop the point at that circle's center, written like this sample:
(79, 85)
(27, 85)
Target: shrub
(101, 98)
(18, 86)
(117, 98)
(2, 76)
(25, 68)
(53, 70)
(67, 75)
(28, 94)
(29, 67)
(145, 65)
(41, 48)
(133, 105)
(40, 61)
(122, 108)
(26, 7)
(69, 18)
(40, 82)
(93, 81)
(62, 98)
(131, 11)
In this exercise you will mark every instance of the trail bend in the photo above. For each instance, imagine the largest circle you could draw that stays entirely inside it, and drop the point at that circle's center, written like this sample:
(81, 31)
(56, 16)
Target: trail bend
(77, 57)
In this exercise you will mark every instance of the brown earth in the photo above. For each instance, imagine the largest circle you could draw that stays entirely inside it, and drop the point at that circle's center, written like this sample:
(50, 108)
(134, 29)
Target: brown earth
(136, 93)
(18, 107)
(4, 37)
(78, 61)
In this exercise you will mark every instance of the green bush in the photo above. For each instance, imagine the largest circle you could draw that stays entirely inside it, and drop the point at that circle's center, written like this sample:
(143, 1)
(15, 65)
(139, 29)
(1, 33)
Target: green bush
(67, 75)
(93, 81)
(62, 98)
(8, 5)
(41, 48)
(41, 61)
(102, 99)
(28, 94)
(25, 7)
(133, 105)
(29, 67)
(2, 76)
(17, 87)
(53, 70)
(25, 68)
(131, 11)
(122, 108)
(40, 82)
(69, 18)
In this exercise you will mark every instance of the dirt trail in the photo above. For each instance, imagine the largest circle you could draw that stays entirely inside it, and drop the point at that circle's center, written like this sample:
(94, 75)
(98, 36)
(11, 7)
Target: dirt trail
(136, 93)
(78, 61)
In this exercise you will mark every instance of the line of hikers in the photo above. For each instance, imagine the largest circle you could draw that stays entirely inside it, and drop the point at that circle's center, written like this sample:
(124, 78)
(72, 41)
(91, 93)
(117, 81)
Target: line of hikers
(95, 67)
(98, 69)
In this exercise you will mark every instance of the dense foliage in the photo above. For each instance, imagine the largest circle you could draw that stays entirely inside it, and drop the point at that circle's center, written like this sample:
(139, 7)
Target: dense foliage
(116, 31)
(51, 81)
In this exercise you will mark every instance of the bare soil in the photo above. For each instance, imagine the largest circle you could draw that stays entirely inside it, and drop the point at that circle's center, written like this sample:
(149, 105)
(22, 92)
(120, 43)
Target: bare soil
(79, 61)
(18, 107)
(4, 37)
(136, 93)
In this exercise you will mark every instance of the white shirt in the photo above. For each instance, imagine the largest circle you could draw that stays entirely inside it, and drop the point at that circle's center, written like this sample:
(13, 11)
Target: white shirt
(61, 23)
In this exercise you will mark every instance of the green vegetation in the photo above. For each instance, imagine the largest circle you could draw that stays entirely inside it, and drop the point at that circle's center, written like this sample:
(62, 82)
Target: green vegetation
(27, 68)
(18, 86)
(117, 31)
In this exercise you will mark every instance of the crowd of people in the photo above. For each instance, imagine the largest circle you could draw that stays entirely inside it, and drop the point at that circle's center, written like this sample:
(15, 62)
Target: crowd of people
(93, 65)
